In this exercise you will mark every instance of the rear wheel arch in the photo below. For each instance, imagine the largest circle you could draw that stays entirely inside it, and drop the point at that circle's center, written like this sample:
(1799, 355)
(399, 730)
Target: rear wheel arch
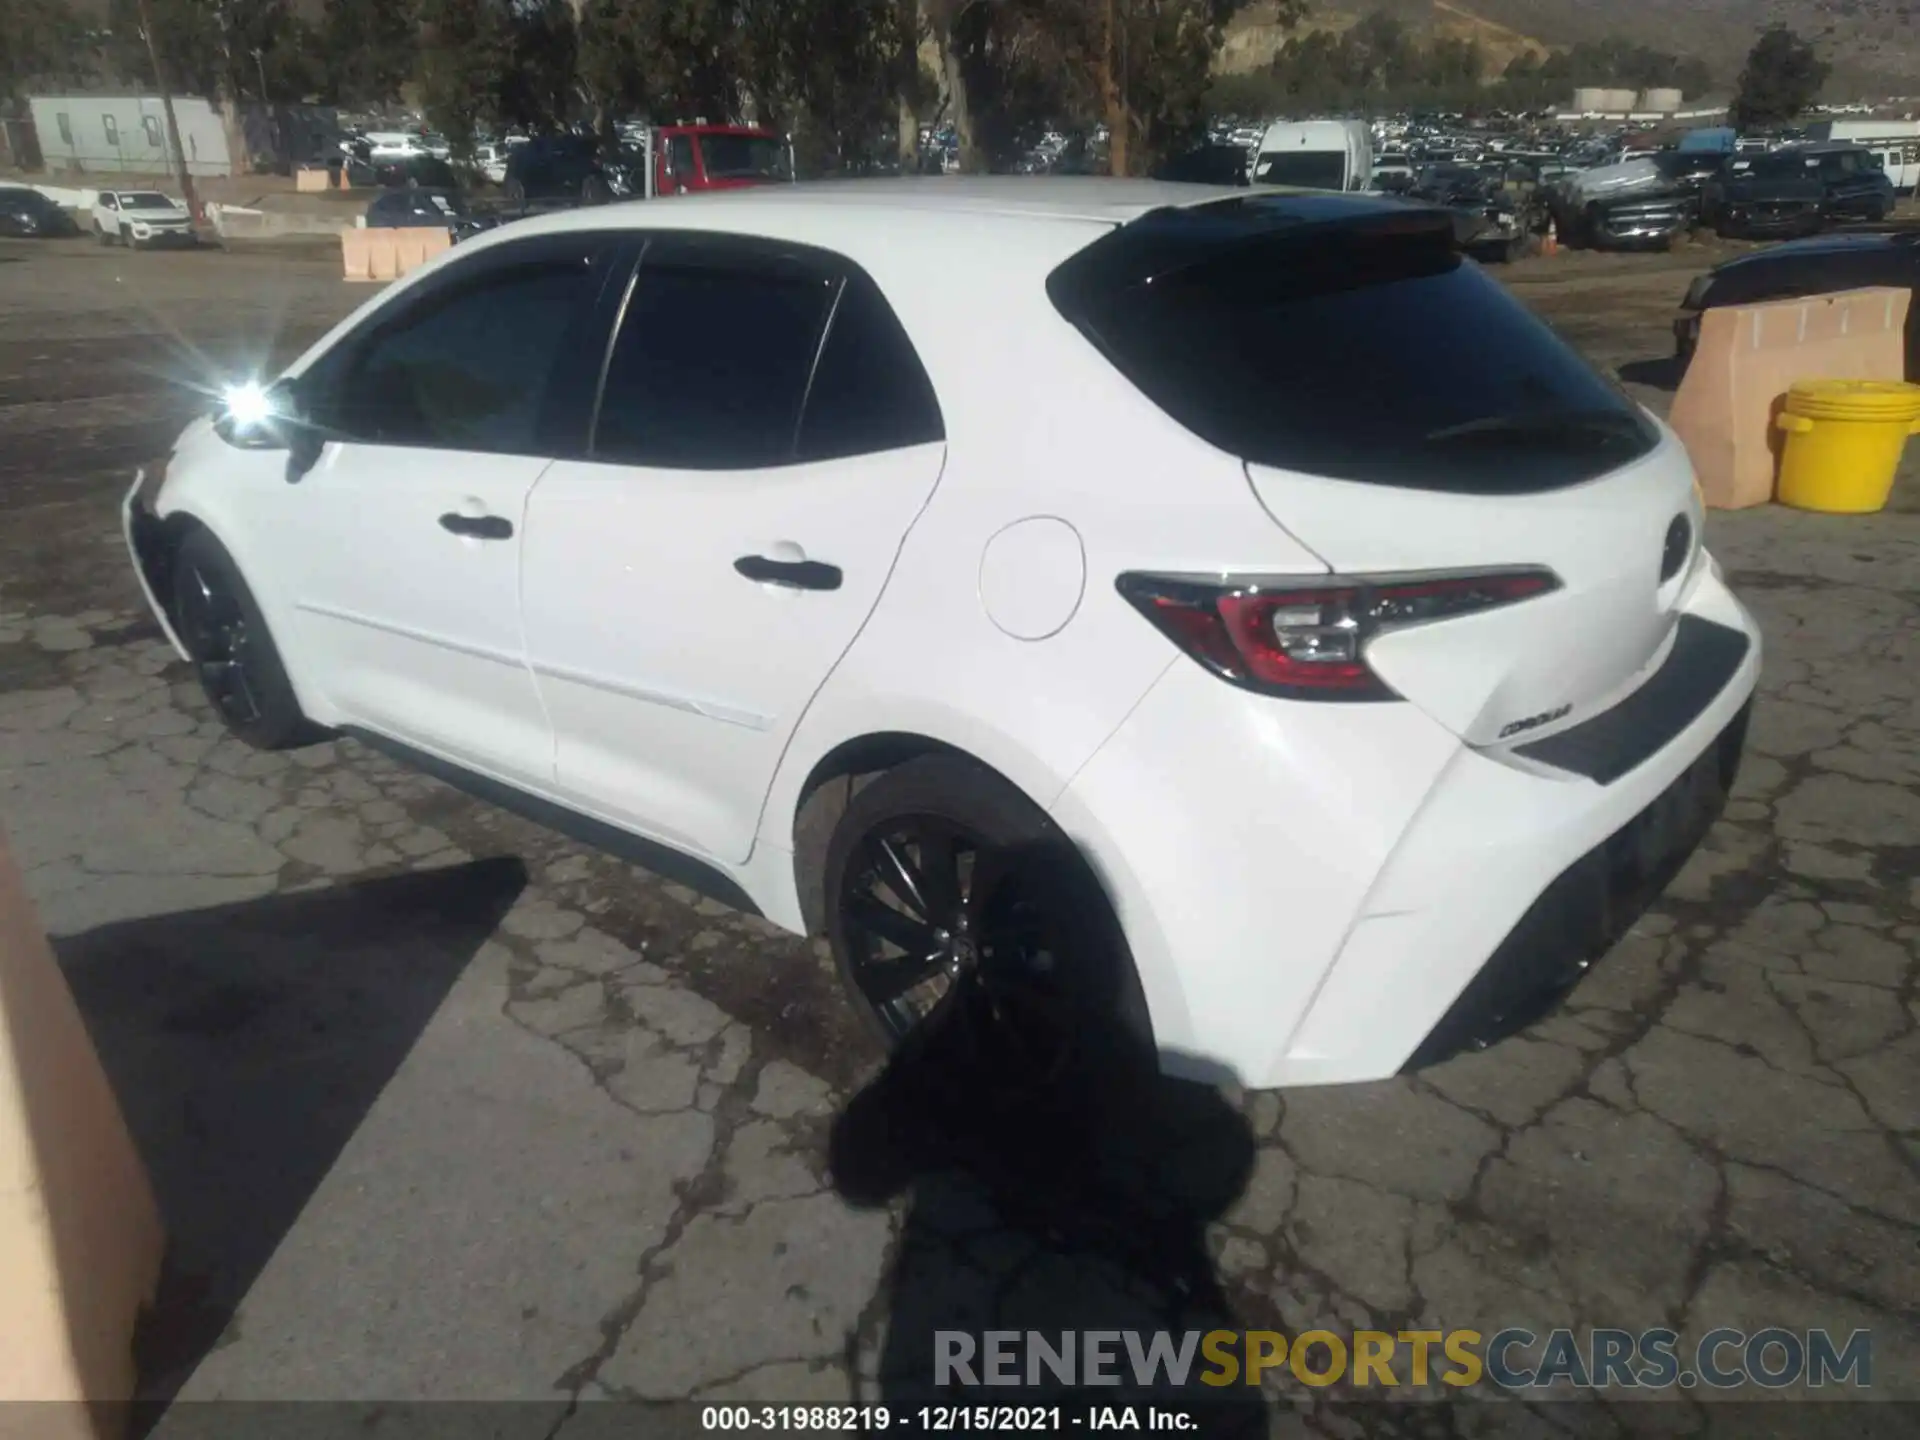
(824, 796)
(920, 781)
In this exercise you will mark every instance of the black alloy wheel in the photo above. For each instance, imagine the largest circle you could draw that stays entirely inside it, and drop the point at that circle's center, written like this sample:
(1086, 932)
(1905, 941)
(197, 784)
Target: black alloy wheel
(220, 626)
(214, 628)
(941, 927)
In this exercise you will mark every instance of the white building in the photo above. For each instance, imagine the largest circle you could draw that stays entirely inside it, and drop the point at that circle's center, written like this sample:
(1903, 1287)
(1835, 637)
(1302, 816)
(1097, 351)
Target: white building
(103, 134)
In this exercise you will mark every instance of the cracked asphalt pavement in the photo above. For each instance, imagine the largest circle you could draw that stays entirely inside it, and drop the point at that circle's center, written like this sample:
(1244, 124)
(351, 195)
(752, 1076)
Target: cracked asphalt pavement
(442, 1106)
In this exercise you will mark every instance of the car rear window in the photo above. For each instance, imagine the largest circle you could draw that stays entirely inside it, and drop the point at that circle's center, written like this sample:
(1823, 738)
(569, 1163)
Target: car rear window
(1345, 338)
(1309, 169)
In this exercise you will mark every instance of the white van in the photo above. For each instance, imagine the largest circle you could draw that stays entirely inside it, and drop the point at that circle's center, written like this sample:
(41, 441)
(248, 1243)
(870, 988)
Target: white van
(1315, 155)
(1895, 143)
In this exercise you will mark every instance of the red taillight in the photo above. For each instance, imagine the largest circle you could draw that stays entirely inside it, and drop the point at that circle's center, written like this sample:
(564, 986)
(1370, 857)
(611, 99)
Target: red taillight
(1308, 642)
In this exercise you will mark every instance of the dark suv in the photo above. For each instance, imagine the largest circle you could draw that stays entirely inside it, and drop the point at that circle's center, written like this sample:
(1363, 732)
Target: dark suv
(562, 167)
(1798, 190)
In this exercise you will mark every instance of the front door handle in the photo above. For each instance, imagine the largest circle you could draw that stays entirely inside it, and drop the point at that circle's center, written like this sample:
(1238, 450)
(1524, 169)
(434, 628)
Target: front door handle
(478, 527)
(798, 574)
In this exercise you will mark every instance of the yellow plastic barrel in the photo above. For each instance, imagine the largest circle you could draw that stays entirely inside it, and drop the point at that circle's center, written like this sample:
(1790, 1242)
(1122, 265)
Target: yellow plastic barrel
(1844, 440)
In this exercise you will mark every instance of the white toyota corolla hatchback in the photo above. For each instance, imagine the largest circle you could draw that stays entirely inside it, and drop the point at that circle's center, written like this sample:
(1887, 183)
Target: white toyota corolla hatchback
(1224, 622)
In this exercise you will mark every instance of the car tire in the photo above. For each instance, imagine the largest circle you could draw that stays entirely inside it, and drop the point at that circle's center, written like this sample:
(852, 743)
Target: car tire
(234, 657)
(1010, 961)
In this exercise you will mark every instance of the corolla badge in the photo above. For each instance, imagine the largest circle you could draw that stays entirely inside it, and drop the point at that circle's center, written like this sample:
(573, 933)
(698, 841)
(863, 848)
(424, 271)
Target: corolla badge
(1534, 722)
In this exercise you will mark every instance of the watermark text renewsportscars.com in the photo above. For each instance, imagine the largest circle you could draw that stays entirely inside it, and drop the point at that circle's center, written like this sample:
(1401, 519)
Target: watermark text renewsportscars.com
(1511, 1359)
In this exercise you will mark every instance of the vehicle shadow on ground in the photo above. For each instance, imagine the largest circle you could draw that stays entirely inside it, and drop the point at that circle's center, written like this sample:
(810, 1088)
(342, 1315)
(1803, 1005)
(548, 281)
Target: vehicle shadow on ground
(1080, 1208)
(246, 1043)
(1663, 372)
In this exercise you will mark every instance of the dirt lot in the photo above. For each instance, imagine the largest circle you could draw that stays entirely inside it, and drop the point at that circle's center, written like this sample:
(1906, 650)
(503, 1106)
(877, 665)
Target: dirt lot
(441, 1106)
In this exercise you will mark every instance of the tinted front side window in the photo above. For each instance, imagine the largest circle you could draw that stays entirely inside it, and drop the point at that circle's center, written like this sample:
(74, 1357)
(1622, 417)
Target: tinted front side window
(1382, 357)
(711, 366)
(870, 392)
(468, 368)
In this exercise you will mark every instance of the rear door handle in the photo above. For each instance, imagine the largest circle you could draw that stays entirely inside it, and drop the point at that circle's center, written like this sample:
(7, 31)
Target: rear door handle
(797, 574)
(478, 527)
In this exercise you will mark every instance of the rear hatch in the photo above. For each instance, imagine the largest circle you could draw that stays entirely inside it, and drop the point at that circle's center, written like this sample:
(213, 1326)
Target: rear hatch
(1401, 414)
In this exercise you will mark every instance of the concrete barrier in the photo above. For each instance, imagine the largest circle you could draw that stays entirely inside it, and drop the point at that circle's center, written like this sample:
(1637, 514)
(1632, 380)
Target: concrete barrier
(377, 253)
(236, 222)
(355, 254)
(80, 1237)
(1746, 359)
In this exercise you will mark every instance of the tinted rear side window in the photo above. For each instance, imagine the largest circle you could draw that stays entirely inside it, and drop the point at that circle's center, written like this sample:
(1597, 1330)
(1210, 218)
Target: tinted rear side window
(870, 393)
(711, 367)
(1364, 351)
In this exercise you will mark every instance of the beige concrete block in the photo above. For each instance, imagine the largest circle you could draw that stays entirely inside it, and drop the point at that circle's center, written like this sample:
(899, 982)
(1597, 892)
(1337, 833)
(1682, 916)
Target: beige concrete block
(80, 1237)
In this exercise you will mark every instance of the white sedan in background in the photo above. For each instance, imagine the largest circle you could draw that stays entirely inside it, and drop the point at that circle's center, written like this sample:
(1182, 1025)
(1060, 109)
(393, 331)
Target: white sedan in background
(141, 218)
(1063, 629)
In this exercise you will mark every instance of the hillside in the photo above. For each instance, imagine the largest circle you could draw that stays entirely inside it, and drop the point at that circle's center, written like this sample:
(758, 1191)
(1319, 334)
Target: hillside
(1871, 43)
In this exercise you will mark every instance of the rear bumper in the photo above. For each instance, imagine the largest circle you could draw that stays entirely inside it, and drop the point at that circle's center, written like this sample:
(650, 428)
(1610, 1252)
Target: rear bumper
(1317, 899)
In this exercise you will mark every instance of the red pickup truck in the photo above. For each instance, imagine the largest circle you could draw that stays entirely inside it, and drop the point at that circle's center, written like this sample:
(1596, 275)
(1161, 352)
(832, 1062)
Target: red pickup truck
(717, 157)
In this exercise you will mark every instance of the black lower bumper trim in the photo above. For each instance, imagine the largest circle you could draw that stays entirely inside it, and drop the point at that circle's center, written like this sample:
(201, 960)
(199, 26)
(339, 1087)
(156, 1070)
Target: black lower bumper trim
(1704, 658)
(1580, 916)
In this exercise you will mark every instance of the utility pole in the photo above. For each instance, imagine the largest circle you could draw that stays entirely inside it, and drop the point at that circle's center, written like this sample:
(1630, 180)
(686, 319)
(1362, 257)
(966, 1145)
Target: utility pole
(166, 104)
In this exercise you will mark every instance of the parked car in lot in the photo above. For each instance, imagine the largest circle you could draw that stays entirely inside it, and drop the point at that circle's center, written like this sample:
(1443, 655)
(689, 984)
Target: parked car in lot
(563, 167)
(1121, 676)
(1499, 221)
(1206, 165)
(141, 219)
(692, 158)
(1817, 266)
(491, 159)
(436, 209)
(26, 213)
(1797, 190)
(1637, 203)
(394, 172)
(1640, 222)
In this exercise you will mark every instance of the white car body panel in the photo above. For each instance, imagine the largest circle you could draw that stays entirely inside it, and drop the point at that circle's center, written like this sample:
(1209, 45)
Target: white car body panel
(1305, 887)
(414, 631)
(675, 730)
(1478, 673)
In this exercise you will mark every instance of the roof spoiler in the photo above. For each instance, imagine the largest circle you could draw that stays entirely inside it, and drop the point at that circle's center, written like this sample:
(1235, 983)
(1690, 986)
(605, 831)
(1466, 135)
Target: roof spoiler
(1251, 235)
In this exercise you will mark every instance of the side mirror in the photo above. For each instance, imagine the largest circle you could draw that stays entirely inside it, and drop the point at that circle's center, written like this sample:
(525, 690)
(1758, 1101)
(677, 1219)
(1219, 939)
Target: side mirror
(250, 417)
(273, 418)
